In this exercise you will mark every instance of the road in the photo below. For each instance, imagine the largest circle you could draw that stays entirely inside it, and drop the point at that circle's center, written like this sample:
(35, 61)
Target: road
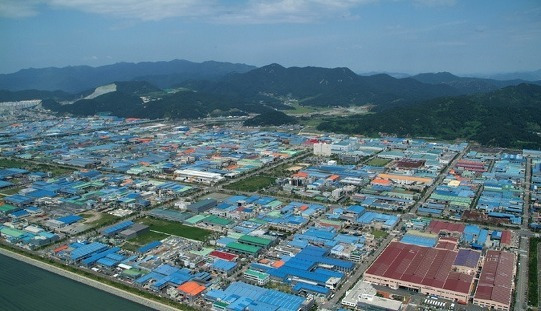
(521, 302)
(438, 180)
(527, 194)
(522, 279)
(356, 276)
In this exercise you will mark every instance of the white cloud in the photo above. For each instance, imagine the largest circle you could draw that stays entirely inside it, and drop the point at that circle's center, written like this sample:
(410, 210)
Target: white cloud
(292, 11)
(246, 11)
(18, 8)
(435, 2)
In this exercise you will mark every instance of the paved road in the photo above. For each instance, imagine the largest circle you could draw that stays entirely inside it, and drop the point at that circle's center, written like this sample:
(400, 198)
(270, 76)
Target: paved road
(522, 279)
(438, 180)
(527, 193)
(356, 276)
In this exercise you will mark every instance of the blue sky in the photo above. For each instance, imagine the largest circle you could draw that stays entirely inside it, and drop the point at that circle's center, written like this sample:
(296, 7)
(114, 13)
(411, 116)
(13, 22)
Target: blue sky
(411, 36)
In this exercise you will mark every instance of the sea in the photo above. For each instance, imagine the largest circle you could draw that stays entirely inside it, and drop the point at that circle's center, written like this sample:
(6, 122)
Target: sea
(24, 287)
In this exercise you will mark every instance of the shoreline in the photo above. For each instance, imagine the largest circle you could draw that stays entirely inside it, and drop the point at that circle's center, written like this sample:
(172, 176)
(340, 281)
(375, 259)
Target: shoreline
(89, 282)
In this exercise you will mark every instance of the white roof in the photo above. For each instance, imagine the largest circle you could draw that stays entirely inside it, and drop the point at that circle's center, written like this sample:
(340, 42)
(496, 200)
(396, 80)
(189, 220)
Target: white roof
(198, 174)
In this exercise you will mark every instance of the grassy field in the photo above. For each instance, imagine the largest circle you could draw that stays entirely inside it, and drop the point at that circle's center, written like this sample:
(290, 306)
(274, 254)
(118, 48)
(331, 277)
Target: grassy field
(378, 162)
(252, 184)
(105, 219)
(8, 163)
(533, 281)
(379, 233)
(175, 228)
(55, 170)
(299, 109)
(11, 191)
(145, 238)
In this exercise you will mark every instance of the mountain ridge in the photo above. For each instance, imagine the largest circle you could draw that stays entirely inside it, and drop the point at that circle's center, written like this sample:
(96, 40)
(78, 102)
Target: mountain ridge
(74, 79)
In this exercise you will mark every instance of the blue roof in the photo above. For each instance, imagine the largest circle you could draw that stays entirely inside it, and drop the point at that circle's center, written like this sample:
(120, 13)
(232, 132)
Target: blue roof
(311, 288)
(118, 227)
(145, 248)
(19, 213)
(99, 255)
(277, 299)
(357, 209)
(70, 219)
(4, 184)
(87, 249)
(467, 258)
(18, 199)
(224, 265)
(418, 240)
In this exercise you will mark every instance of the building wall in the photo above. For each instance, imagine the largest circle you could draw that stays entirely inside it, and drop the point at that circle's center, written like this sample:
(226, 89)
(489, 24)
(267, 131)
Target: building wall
(490, 303)
(428, 290)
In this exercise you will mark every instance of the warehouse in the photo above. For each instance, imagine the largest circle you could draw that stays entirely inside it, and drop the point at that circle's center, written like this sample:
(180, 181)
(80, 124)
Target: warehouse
(496, 281)
(133, 231)
(198, 176)
(202, 206)
(255, 241)
(243, 249)
(423, 269)
(242, 296)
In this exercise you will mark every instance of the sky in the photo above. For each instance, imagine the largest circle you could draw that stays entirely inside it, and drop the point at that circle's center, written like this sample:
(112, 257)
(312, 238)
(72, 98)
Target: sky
(407, 36)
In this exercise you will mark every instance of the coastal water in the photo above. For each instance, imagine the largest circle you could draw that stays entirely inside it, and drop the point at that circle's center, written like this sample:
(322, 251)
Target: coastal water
(24, 287)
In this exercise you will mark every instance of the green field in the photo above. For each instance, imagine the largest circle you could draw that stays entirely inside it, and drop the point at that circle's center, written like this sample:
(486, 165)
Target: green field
(378, 162)
(143, 239)
(34, 167)
(252, 184)
(379, 233)
(533, 281)
(175, 228)
(11, 191)
(105, 219)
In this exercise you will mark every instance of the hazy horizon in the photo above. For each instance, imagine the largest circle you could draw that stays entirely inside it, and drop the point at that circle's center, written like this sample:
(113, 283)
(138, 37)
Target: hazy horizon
(401, 36)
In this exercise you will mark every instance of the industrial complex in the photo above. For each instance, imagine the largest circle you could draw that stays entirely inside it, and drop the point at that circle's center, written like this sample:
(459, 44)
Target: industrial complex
(233, 218)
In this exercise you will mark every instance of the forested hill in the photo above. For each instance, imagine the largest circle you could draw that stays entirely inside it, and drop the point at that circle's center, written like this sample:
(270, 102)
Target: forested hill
(315, 86)
(510, 117)
(75, 79)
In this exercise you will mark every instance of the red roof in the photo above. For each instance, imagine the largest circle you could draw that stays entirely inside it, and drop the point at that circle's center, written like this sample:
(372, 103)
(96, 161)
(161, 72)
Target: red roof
(446, 245)
(223, 255)
(191, 288)
(300, 175)
(506, 237)
(496, 280)
(420, 265)
(437, 226)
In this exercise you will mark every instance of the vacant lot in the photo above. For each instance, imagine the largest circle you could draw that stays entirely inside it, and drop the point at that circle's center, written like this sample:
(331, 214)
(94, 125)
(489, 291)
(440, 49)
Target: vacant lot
(145, 238)
(252, 184)
(379, 233)
(378, 162)
(99, 219)
(53, 169)
(175, 228)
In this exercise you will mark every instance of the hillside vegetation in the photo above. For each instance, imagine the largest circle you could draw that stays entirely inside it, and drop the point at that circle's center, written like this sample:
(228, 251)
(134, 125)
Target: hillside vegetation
(510, 117)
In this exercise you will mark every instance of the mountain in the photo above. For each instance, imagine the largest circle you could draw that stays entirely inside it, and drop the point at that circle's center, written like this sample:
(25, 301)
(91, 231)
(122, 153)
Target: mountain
(322, 87)
(271, 118)
(143, 100)
(525, 75)
(7, 96)
(75, 79)
(121, 99)
(465, 85)
(398, 75)
(509, 117)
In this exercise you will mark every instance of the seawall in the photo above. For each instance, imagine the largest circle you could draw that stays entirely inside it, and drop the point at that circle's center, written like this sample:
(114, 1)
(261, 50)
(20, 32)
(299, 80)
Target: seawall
(90, 282)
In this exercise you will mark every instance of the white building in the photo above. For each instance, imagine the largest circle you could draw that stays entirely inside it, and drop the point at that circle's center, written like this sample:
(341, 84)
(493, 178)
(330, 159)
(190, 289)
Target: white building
(363, 295)
(322, 149)
(198, 176)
